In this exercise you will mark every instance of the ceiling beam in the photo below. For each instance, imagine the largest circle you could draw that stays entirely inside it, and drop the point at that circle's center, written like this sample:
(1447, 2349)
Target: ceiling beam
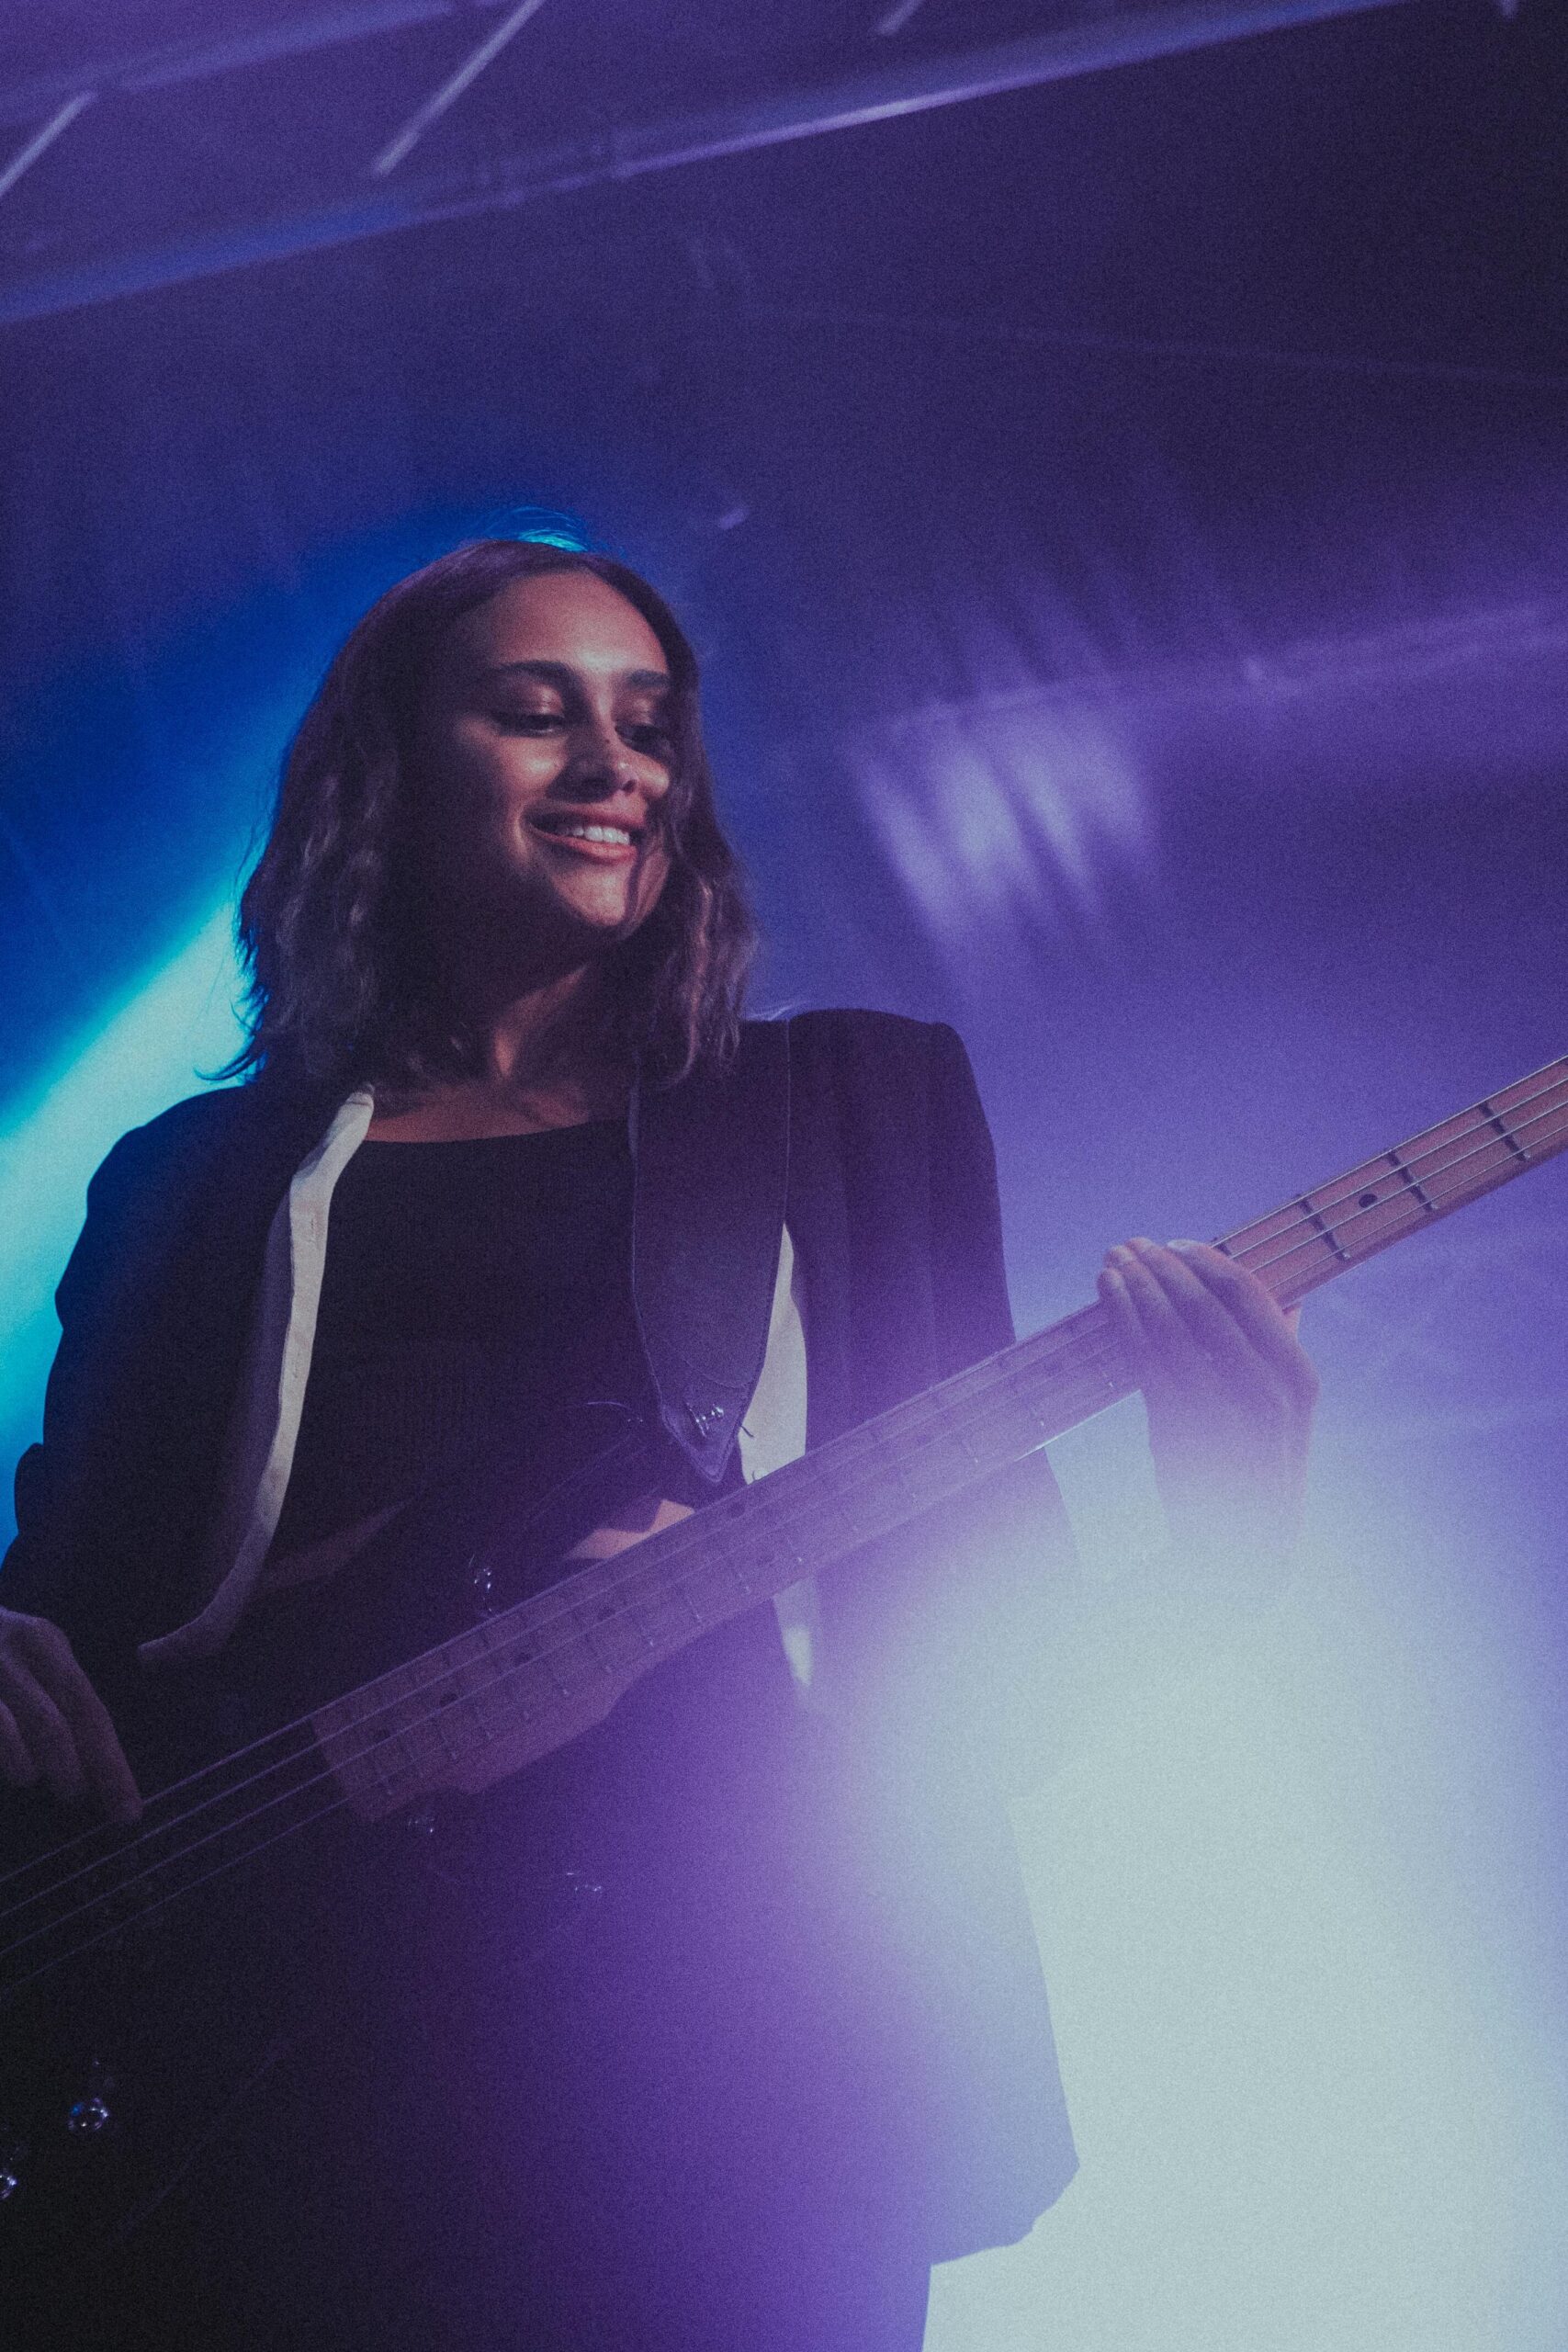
(453, 88)
(43, 138)
(896, 87)
(197, 61)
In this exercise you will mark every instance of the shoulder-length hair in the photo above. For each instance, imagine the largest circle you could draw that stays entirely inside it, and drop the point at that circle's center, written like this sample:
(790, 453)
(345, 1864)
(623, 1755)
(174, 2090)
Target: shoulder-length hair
(341, 989)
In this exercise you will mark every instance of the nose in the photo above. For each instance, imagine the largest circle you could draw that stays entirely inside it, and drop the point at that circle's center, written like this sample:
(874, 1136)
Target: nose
(602, 764)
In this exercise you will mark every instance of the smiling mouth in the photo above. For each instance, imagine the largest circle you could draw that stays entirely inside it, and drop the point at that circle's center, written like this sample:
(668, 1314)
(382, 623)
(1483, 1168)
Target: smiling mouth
(586, 833)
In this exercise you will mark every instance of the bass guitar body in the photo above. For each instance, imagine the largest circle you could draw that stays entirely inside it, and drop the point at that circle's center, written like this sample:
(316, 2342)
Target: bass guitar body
(150, 1979)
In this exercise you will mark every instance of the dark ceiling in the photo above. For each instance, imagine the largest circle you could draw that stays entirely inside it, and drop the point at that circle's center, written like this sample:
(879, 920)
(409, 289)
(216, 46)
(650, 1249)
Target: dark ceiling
(211, 136)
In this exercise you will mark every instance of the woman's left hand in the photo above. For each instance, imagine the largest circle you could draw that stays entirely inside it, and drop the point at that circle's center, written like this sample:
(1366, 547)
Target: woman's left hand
(1229, 1390)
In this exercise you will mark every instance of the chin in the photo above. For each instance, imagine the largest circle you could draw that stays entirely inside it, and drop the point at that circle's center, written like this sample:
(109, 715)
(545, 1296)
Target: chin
(603, 919)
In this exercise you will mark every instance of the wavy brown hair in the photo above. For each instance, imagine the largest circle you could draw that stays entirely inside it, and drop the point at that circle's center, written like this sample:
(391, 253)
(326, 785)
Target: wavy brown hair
(341, 985)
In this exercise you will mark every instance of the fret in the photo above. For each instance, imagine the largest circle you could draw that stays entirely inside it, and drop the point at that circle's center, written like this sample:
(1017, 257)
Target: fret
(906, 1470)
(1523, 1103)
(1298, 1241)
(512, 1650)
(468, 1720)
(955, 1462)
(1039, 1409)
(483, 1707)
(418, 1747)
(1067, 1375)
(823, 1528)
(388, 1725)
(852, 1494)
(465, 1659)
(1321, 1226)
(590, 1612)
(1409, 1177)
(731, 1583)
(721, 1543)
(1435, 1172)
(664, 1612)
(1495, 1120)
(900, 1468)
(635, 1614)
(615, 1643)
(910, 1468)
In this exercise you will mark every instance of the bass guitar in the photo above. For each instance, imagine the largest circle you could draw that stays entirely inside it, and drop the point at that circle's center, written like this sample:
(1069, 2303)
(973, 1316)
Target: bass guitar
(562, 1598)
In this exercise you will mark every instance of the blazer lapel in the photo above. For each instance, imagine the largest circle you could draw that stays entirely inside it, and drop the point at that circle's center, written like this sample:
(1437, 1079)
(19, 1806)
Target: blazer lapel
(711, 1156)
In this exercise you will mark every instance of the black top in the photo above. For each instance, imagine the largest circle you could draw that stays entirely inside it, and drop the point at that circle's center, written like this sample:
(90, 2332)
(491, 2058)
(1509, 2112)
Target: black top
(470, 1289)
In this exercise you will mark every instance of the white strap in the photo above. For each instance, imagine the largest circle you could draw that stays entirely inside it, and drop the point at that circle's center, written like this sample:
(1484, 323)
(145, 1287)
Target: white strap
(259, 1453)
(773, 1433)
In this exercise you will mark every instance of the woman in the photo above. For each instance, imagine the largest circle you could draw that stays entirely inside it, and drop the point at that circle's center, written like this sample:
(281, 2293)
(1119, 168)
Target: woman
(801, 2050)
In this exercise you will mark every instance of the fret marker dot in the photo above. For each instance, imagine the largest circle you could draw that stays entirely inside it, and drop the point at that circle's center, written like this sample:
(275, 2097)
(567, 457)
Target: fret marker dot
(1366, 1200)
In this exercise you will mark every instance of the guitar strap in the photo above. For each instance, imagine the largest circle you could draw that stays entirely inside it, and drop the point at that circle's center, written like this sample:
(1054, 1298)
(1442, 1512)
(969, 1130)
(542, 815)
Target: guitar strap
(711, 1161)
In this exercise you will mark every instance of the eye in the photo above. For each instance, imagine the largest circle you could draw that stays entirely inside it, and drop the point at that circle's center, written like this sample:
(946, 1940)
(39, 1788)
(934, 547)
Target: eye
(652, 736)
(528, 722)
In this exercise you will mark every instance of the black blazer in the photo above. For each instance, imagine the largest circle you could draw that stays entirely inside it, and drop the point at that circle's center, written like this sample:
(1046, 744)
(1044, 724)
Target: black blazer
(892, 1205)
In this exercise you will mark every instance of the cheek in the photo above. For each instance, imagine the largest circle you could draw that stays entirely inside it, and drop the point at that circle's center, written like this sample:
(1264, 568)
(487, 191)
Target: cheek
(487, 803)
(651, 877)
(503, 780)
(481, 775)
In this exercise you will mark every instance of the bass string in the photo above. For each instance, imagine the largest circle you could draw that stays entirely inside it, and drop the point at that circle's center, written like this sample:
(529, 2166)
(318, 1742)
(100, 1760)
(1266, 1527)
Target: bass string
(1485, 1123)
(1444, 1152)
(150, 1909)
(150, 1903)
(675, 1544)
(104, 1834)
(640, 1579)
(1314, 1237)
(125, 1887)
(1412, 1216)
(1093, 1355)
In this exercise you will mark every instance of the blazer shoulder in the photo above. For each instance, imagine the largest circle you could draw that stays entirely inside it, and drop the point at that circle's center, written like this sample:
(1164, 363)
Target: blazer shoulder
(897, 1088)
(231, 1136)
(187, 1131)
(854, 1031)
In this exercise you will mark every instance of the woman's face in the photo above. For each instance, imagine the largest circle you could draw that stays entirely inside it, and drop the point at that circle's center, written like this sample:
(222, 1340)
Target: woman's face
(543, 757)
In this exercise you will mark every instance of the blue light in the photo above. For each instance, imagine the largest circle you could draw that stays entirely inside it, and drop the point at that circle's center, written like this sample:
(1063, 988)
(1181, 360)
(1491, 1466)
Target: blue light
(145, 1056)
(539, 526)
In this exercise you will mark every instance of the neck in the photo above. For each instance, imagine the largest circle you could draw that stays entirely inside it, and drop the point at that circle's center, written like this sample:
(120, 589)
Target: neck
(540, 1059)
(542, 1034)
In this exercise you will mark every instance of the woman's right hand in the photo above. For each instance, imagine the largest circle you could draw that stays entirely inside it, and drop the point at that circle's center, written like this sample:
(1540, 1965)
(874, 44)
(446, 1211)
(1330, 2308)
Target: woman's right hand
(53, 1726)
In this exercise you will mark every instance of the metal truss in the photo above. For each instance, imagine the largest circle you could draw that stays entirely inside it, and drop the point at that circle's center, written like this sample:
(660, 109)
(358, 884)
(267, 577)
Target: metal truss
(320, 107)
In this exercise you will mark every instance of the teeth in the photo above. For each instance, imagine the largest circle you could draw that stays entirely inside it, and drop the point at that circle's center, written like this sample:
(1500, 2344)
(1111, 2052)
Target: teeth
(595, 833)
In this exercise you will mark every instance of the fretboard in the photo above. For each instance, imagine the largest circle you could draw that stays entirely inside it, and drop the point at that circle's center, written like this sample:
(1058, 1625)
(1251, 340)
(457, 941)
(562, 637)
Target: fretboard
(559, 1658)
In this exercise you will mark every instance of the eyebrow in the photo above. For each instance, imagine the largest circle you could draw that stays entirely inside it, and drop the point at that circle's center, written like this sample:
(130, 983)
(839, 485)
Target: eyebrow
(561, 674)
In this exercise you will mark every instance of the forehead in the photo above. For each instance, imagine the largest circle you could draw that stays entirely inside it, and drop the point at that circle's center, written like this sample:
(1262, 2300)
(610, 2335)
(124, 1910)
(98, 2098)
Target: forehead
(571, 618)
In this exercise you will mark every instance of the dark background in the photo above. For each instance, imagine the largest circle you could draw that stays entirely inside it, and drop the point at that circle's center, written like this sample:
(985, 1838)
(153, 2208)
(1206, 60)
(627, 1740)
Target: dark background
(1123, 524)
